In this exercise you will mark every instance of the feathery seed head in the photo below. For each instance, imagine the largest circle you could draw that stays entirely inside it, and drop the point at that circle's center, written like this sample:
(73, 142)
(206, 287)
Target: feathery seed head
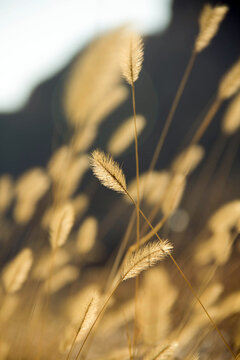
(124, 135)
(144, 258)
(107, 103)
(61, 224)
(94, 74)
(16, 272)
(108, 171)
(209, 22)
(132, 58)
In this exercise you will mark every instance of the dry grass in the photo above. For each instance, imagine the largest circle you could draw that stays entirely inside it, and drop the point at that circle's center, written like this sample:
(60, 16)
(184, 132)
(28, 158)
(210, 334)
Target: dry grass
(55, 303)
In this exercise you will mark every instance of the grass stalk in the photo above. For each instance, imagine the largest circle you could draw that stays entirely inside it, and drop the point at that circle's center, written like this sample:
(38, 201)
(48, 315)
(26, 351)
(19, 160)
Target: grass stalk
(97, 317)
(194, 293)
(206, 121)
(189, 286)
(137, 211)
(78, 331)
(172, 111)
(121, 250)
(157, 150)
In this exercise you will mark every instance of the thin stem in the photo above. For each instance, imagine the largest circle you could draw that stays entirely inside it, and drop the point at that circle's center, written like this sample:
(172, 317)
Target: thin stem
(118, 282)
(151, 217)
(172, 111)
(175, 103)
(137, 159)
(224, 170)
(45, 305)
(151, 233)
(128, 341)
(78, 330)
(197, 344)
(161, 352)
(164, 132)
(207, 173)
(135, 333)
(182, 275)
(137, 207)
(96, 319)
(206, 121)
(201, 304)
(30, 323)
(188, 283)
(121, 249)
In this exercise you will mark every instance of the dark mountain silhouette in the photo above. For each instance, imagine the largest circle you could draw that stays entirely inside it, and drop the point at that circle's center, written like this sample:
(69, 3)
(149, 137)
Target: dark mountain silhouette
(28, 136)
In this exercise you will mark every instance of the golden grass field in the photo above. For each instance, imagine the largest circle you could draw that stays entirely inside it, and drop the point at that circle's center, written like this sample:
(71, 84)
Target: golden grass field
(160, 295)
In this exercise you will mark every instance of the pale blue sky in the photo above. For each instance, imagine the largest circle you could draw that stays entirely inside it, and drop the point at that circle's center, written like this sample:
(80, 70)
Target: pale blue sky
(38, 37)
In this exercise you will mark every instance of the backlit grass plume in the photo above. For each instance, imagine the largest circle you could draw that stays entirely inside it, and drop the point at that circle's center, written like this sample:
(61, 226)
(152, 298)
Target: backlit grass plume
(124, 135)
(87, 235)
(108, 171)
(131, 62)
(62, 277)
(226, 217)
(230, 83)
(209, 22)
(87, 318)
(30, 187)
(15, 273)
(188, 160)
(231, 120)
(61, 224)
(132, 58)
(92, 78)
(174, 193)
(144, 258)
